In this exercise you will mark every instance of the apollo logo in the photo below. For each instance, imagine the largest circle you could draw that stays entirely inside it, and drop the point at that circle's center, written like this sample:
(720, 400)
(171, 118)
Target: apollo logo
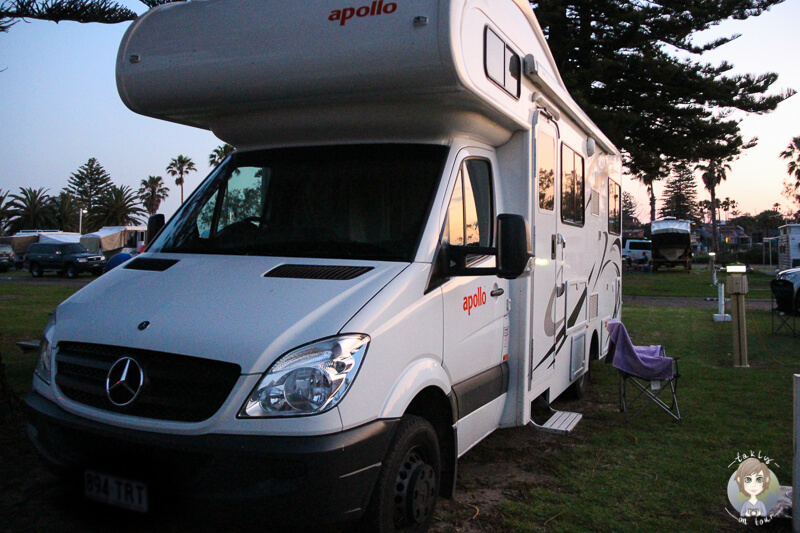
(476, 300)
(376, 8)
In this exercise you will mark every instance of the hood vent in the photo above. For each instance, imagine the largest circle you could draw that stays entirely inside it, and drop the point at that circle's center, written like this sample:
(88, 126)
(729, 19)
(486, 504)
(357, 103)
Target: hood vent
(317, 272)
(150, 263)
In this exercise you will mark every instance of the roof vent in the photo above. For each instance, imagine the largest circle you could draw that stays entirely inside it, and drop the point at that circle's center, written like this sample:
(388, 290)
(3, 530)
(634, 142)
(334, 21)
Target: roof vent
(341, 273)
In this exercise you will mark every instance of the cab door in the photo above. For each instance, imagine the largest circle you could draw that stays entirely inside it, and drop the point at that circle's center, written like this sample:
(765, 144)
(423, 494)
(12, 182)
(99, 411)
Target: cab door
(548, 303)
(475, 307)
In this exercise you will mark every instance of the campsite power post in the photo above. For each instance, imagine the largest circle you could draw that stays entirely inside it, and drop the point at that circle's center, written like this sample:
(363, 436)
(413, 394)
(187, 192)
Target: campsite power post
(737, 286)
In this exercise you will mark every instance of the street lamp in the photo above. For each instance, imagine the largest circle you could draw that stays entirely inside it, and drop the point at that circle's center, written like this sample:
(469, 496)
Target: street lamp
(80, 221)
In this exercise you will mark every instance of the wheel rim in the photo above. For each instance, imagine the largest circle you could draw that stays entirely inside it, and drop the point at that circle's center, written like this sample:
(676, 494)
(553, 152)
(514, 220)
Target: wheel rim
(415, 489)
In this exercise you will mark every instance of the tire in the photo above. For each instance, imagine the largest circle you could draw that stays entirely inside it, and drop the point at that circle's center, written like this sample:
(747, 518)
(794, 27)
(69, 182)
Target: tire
(72, 272)
(405, 494)
(35, 270)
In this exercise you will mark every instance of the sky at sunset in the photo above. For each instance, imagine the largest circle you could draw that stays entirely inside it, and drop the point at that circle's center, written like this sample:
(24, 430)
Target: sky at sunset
(60, 107)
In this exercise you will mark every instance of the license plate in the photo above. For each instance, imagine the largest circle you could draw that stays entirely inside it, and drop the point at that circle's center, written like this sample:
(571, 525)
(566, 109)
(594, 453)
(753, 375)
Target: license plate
(116, 491)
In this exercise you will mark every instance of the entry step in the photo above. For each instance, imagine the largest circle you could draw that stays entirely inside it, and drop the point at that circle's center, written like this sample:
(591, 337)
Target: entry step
(561, 422)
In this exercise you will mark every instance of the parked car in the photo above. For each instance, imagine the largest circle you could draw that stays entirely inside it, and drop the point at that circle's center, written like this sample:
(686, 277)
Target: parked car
(6, 257)
(792, 275)
(70, 259)
(636, 250)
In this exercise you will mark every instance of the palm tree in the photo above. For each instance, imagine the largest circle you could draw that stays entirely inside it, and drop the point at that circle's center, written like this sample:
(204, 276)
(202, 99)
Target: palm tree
(792, 153)
(180, 166)
(220, 152)
(153, 191)
(29, 209)
(64, 211)
(5, 211)
(714, 173)
(119, 206)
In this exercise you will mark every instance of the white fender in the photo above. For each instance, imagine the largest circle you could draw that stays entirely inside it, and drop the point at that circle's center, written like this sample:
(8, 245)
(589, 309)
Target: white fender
(419, 375)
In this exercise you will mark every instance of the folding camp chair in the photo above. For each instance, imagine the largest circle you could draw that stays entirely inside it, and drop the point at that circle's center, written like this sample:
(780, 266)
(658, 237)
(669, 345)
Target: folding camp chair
(783, 308)
(646, 369)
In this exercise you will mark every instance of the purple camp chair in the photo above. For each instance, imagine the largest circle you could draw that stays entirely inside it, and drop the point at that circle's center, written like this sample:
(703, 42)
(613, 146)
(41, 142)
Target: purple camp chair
(645, 368)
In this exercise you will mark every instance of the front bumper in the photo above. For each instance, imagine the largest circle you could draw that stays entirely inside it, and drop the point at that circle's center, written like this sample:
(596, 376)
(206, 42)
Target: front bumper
(330, 476)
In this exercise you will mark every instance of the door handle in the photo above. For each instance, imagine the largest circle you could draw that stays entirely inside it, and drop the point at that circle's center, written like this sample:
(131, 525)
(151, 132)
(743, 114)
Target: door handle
(496, 292)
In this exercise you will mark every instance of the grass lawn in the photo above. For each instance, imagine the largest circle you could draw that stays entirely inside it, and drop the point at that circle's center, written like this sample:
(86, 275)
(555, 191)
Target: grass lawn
(696, 284)
(653, 474)
(657, 474)
(24, 310)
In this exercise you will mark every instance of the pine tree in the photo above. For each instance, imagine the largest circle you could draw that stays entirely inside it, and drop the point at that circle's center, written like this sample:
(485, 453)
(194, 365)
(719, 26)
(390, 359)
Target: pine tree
(89, 183)
(629, 208)
(616, 58)
(680, 196)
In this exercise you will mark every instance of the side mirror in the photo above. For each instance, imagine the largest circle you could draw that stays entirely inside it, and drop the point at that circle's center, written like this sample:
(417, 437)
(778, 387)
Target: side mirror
(154, 225)
(513, 246)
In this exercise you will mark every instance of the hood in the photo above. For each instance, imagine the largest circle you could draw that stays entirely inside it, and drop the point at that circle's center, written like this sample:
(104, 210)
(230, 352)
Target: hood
(219, 307)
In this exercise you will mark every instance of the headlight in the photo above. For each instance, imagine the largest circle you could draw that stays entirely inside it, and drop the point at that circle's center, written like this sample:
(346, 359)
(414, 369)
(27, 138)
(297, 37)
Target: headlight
(82, 260)
(43, 361)
(309, 380)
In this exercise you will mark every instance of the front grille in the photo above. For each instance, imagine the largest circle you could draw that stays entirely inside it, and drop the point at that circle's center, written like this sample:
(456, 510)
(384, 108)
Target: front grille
(176, 387)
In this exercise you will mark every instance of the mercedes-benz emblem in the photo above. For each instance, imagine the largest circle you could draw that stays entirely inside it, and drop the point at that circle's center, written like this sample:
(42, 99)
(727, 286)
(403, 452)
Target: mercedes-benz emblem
(124, 381)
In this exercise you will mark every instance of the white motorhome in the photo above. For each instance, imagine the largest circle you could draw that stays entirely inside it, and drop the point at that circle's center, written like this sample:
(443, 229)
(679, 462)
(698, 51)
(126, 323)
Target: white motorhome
(789, 246)
(416, 240)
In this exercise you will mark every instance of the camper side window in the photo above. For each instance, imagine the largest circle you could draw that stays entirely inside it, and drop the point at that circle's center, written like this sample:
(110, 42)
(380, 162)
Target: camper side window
(614, 207)
(572, 187)
(470, 213)
(501, 63)
(546, 155)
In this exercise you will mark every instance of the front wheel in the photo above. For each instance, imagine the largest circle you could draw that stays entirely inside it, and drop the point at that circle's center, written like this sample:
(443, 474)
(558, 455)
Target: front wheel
(408, 484)
(72, 272)
(35, 270)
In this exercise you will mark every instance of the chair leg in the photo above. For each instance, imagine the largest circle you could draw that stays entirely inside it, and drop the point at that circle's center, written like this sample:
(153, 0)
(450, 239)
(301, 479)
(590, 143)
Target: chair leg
(644, 391)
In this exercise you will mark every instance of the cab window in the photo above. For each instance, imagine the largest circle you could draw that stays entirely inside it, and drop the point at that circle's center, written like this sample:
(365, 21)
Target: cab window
(470, 214)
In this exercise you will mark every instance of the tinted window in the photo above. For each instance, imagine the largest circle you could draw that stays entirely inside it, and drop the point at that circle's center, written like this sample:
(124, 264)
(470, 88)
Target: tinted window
(470, 214)
(614, 207)
(357, 201)
(546, 154)
(572, 186)
(73, 249)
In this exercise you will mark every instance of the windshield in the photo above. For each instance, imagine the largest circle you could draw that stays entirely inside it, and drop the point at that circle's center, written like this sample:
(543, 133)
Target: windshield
(358, 201)
(73, 249)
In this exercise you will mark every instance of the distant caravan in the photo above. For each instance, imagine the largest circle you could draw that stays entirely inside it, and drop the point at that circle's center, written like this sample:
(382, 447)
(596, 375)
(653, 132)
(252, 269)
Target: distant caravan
(672, 243)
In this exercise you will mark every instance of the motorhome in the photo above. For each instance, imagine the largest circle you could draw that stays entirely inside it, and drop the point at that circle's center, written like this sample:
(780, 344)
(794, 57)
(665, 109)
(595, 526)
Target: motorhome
(789, 246)
(416, 242)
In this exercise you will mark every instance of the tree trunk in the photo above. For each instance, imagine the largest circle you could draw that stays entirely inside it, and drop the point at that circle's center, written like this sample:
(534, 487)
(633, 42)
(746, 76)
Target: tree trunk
(651, 191)
(714, 235)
